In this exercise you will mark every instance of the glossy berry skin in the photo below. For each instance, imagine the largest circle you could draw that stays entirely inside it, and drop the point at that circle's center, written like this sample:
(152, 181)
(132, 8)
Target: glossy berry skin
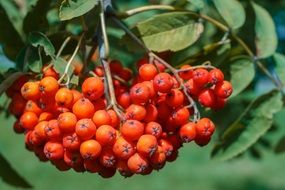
(163, 82)
(48, 86)
(101, 117)
(186, 75)
(147, 72)
(106, 135)
(64, 97)
(132, 130)
(207, 98)
(123, 149)
(85, 129)
(187, 132)
(200, 77)
(138, 164)
(175, 98)
(136, 112)
(53, 150)
(153, 128)
(90, 149)
(139, 93)
(215, 76)
(93, 88)
(67, 122)
(205, 127)
(83, 108)
(29, 120)
(147, 145)
(224, 89)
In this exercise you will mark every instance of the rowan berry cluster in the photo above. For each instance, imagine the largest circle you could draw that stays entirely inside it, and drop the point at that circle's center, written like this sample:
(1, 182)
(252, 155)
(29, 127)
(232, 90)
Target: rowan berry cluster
(81, 130)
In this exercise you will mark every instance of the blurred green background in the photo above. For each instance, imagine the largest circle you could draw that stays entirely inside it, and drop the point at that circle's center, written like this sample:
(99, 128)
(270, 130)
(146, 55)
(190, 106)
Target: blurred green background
(193, 169)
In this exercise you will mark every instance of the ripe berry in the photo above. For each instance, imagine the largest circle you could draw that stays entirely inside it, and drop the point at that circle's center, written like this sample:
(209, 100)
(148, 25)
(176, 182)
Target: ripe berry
(166, 146)
(158, 159)
(153, 128)
(29, 120)
(53, 150)
(72, 158)
(175, 98)
(192, 87)
(187, 132)
(83, 108)
(18, 127)
(139, 93)
(180, 116)
(132, 130)
(93, 88)
(45, 116)
(106, 135)
(115, 120)
(219, 103)
(123, 149)
(76, 96)
(67, 122)
(30, 91)
(205, 127)
(52, 130)
(123, 169)
(224, 89)
(207, 98)
(85, 129)
(64, 98)
(147, 145)
(186, 75)
(92, 166)
(90, 149)
(147, 72)
(137, 163)
(40, 130)
(116, 66)
(136, 112)
(107, 172)
(200, 77)
(71, 141)
(202, 140)
(163, 82)
(101, 117)
(124, 100)
(151, 113)
(215, 76)
(50, 72)
(107, 158)
(31, 106)
(48, 86)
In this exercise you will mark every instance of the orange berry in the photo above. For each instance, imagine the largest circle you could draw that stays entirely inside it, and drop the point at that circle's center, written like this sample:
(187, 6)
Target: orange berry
(40, 130)
(123, 149)
(71, 141)
(101, 117)
(115, 121)
(147, 145)
(83, 108)
(76, 95)
(30, 91)
(123, 169)
(137, 163)
(132, 129)
(166, 146)
(72, 158)
(158, 159)
(31, 106)
(93, 88)
(53, 150)
(153, 128)
(67, 122)
(151, 113)
(45, 116)
(50, 72)
(48, 86)
(106, 135)
(205, 127)
(163, 82)
(187, 132)
(107, 158)
(124, 100)
(136, 112)
(140, 93)
(175, 98)
(147, 71)
(64, 98)
(52, 130)
(85, 129)
(90, 149)
(29, 120)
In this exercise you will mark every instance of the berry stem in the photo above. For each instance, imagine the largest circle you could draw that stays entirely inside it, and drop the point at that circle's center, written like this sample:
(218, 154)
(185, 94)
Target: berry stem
(215, 22)
(69, 63)
(172, 69)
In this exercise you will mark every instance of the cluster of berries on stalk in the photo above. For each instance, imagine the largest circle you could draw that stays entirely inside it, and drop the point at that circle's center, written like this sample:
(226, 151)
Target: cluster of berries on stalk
(80, 129)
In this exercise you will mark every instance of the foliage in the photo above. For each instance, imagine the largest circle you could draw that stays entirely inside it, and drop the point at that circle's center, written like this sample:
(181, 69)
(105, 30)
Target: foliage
(215, 34)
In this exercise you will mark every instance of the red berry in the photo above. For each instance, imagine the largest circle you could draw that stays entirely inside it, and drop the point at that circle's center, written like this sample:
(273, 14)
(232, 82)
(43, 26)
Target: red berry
(200, 77)
(215, 76)
(224, 89)
(163, 82)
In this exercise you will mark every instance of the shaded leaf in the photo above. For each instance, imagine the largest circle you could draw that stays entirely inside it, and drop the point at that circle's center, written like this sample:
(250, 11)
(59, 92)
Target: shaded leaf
(32, 60)
(249, 127)
(36, 19)
(280, 147)
(199, 4)
(9, 80)
(266, 38)
(232, 12)
(9, 37)
(39, 39)
(74, 8)
(279, 60)
(169, 31)
(10, 176)
(242, 73)
(59, 65)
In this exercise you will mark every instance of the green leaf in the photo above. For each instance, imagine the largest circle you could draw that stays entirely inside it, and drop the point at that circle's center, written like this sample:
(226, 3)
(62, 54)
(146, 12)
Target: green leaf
(74, 8)
(9, 37)
(36, 19)
(266, 38)
(199, 4)
(280, 147)
(169, 31)
(74, 80)
(39, 39)
(33, 60)
(249, 127)
(9, 80)
(59, 65)
(10, 176)
(232, 11)
(242, 73)
(279, 60)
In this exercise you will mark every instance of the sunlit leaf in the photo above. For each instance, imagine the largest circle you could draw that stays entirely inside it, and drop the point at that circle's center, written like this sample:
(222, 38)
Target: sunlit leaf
(279, 60)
